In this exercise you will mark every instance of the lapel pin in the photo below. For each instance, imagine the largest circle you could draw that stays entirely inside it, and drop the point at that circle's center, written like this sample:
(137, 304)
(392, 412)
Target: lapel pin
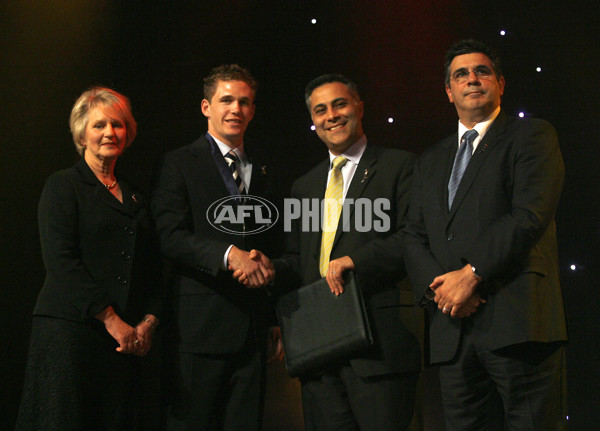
(263, 170)
(134, 198)
(365, 176)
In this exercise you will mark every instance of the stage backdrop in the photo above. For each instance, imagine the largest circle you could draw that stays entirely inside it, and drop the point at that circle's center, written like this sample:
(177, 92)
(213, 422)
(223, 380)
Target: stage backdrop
(158, 52)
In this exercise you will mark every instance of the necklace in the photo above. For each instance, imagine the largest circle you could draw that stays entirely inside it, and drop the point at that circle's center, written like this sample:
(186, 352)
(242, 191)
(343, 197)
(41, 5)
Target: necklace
(110, 186)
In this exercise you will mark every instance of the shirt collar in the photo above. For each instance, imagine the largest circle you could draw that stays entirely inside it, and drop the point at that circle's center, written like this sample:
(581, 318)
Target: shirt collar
(481, 127)
(354, 151)
(224, 148)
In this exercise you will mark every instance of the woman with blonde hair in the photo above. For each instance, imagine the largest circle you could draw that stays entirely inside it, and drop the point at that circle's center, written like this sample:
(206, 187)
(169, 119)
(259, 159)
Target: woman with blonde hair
(97, 310)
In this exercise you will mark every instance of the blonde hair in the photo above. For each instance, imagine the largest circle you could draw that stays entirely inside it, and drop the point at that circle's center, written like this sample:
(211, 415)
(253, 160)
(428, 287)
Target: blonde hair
(113, 103)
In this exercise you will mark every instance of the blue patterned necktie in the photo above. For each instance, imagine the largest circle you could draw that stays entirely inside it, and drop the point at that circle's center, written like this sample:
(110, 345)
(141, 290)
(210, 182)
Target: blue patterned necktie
(463, 155)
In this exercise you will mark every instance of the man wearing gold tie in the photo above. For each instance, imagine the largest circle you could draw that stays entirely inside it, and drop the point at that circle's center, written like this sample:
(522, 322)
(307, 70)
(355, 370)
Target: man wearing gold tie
(374, 389)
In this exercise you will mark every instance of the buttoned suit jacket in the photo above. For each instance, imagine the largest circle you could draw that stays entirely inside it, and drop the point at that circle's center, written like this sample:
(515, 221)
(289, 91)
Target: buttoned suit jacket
(382, 174)
(96, 250)
(502, 222)
(213, 313)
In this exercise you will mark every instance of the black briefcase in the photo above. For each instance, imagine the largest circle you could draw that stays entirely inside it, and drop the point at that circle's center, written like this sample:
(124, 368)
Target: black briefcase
(319, 327)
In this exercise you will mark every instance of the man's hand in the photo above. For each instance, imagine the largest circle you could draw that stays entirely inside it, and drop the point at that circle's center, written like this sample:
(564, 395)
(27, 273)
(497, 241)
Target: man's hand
(455, 292)
(335, 273)
(252, 269)
(468, 308)
(274, 345)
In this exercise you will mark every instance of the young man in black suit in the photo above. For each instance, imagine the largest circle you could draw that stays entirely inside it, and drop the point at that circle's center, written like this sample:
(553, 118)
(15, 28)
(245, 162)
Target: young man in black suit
(373, 389)
(480, 249)
(221, 325)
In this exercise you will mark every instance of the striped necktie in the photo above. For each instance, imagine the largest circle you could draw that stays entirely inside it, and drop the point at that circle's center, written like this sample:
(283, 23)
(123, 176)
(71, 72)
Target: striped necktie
(232, 161)
(463, 155)
(331, 211)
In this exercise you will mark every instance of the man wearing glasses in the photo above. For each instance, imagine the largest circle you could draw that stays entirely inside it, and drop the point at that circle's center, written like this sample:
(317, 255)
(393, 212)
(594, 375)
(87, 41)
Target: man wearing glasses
(480, 248)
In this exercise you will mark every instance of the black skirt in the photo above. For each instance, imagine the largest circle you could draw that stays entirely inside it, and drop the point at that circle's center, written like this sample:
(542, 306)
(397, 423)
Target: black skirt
(75, 380)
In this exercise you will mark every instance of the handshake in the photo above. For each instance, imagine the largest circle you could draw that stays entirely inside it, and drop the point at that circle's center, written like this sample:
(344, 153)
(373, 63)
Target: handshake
(252, 269)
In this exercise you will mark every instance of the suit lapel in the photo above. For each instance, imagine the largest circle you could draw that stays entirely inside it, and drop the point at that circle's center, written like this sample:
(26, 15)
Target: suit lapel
(366, 169)
(489, 141)
(364, 172)
(103, 195)
(258, 179)
(449, 152)
(317, 187)
(214, 168)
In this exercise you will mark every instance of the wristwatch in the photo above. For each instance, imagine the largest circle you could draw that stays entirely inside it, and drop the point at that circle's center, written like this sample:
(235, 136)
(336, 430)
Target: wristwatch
(476, 273)
(429, 294)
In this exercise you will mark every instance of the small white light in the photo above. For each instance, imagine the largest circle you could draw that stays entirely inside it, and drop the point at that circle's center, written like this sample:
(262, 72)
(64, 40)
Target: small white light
(573, 268)
(313, 21)
(538, 69)
(390, 120)
(313, 128)
(521, 114)
(502, 33)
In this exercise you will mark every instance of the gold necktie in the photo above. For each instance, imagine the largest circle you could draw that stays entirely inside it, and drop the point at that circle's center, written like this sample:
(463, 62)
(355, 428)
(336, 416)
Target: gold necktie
(331, 211)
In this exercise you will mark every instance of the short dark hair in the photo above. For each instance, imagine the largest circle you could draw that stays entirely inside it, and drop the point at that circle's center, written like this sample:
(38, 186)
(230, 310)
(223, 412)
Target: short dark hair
(327, 79)
(227, 72)
(468, 46)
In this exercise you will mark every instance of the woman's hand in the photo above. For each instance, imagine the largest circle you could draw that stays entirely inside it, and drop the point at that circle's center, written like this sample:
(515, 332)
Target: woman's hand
(123, 333)
(145, 332)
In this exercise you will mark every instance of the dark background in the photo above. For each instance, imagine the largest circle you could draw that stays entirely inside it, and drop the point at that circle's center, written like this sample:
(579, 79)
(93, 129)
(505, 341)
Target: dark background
(157, 53)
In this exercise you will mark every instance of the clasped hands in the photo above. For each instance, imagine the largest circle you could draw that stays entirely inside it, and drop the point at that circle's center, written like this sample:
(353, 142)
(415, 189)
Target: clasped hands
(136, 341)
(455, 292)
(252, 269)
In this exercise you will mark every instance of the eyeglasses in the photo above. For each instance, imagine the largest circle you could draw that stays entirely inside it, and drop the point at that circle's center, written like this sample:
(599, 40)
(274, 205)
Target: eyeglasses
(462, 75)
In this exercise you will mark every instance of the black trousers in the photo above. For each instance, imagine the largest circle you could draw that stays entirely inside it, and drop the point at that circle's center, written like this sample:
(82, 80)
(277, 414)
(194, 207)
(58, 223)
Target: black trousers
(218, 392)
(340, 400)
(520, 387)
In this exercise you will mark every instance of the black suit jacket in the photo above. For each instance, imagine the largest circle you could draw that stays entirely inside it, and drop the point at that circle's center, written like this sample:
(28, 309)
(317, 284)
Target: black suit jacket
(214, 314)
(381, 174)
(502, 222)
(97, 251)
